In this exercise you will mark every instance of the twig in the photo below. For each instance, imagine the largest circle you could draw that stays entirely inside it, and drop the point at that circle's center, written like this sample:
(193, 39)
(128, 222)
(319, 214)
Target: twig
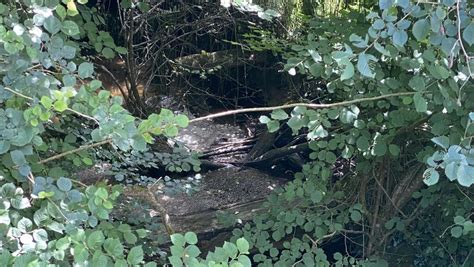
(467, 257)
(84, 147)
(463, 193)
(389, 198)
(125, 96)
(166, 220)
(221, 151)
(308, 105)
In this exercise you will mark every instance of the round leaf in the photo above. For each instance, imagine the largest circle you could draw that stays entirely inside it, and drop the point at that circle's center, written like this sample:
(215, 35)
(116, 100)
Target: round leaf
(64, 184)
(191, 238)
(135, 256)
(70, 28)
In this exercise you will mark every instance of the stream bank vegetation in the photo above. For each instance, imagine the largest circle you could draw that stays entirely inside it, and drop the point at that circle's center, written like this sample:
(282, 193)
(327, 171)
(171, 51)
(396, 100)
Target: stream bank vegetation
(351, 143)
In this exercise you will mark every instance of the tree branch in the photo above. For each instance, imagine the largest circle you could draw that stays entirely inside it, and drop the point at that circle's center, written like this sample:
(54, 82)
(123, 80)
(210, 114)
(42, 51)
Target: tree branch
(84, 147)
(308, 105)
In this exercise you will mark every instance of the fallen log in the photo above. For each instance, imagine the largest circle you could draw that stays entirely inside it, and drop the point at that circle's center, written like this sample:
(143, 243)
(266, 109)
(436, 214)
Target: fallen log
(277, 153)
(227, 150)
(265, 143)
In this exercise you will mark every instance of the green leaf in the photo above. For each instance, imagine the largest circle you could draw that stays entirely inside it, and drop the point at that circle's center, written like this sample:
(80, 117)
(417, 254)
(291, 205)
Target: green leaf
(394, 149)
(378, 24)
(273, 126)
(101, 193)
(52, 24)
(24, 225)
(60, 105)
(85, 70)
(191, 238)
(244, 260)
(296, 123)
(64, 184)
(400, 37)
(468, 34)
(95, 239)
(5, 218)
(264, 119)
(465, 175)
(95, 84)
(4, 146)
(442, 141)
(279, 114)
(381, 49)
(18, 157)
(380, 148)
(316, 69)
(72, 8)
(108, 53)
(182, 121)
(356, 215)
(121, 263)
(40, 235)
(80, 253)
(63, 243)
(70, 28)
(363, 65)
(242, 245)
(10, 48)
(113, 247)
(330, 157)
(61, 11)
(430, 177)
(171, 131)
(451, 170)
(459, 220)
(362, 143)
(135, 256)
(121, 50)
(421, 29)
(316, 196)
(87, 161)
(421, 104)
(417, 83)
(142, 233)
(178, 239)
(385, 4)
(192, 251)
(46, 102)
(175, 260)
(231, 249)
(348, 71)
(318, 132)
(456, 231)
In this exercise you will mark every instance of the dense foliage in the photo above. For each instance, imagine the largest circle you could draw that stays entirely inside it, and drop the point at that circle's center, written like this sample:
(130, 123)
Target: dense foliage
(402, 115)
(418, 57)
(47, 95)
